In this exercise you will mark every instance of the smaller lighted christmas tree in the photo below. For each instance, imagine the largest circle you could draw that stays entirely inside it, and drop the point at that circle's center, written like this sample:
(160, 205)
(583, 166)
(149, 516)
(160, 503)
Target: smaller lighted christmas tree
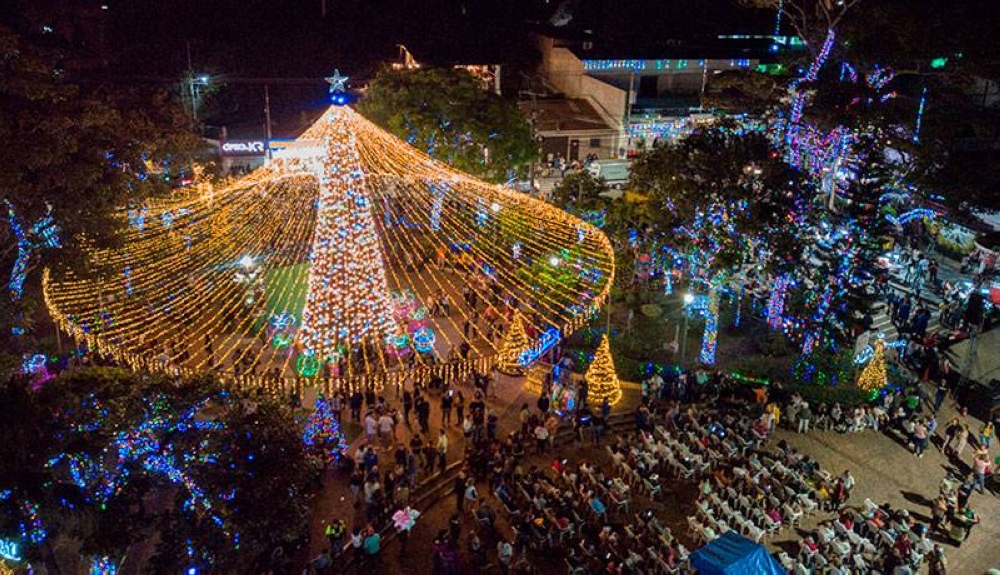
(515, 342)
(873, 376)
(602, 381)
(324, 440)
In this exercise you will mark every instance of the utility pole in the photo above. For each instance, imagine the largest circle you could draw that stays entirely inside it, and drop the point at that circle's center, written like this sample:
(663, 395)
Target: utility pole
(190, 80)
(267, 118)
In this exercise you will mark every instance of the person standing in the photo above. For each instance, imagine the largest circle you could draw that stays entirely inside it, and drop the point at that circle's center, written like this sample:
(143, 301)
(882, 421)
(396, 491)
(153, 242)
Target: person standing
(407, 406)
(919, 438)
(938, 563)
(963, 440)
(459, 406)
(356, 400)
(459, 489)
(334, 532)
(804, 416)
(950, 434)
(442, 449)
(446, 401)
(543, 404)
(541, 437)
(371, 427)
(939, 396)
(471, 497)
(939, 510)
(385, 425)
(372, 544)
(979, 467)
(505, 553)
(849, 482)
(423, 408)
(986, 434)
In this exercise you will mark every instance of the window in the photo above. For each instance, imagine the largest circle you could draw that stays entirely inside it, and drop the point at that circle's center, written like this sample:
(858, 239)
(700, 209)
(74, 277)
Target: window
(595, 142)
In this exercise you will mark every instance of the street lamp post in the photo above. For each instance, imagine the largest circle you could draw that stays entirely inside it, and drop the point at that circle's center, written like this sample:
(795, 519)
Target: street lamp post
(688, 299)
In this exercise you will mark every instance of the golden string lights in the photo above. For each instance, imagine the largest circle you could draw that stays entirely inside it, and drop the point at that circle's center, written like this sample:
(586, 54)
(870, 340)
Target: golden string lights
(346, 259)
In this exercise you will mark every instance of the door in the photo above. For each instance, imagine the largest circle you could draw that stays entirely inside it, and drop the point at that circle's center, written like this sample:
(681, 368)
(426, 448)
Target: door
(574, 150)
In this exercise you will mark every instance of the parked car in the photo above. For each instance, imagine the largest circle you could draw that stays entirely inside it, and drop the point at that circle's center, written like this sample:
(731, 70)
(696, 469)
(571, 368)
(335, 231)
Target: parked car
(614, 172)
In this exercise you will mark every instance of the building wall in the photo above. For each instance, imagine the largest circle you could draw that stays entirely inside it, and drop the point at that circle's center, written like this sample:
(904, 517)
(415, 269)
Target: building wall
(560, 143)
(682, 84)
(564, 71)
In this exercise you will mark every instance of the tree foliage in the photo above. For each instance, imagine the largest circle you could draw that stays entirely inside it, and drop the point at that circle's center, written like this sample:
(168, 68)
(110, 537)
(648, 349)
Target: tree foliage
(449, 114)
(78, 147)
(733, 186)
(579, 191)
(246, 456)
(81, 147)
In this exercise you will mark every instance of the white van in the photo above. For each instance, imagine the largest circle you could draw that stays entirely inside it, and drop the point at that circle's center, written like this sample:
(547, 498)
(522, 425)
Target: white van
(614, 172)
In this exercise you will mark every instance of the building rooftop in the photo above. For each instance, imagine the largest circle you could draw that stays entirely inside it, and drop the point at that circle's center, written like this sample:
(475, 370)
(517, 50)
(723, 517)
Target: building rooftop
(756, 48)
(565, 114)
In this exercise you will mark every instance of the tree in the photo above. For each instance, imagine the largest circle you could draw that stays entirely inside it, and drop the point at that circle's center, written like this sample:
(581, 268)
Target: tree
(450, 115)
(81, 149)
(724, 200)
(810, 18)
(324, 440)
(228, 474)
(580, 191)
(515, 342)
(873, 376)
(601, 377)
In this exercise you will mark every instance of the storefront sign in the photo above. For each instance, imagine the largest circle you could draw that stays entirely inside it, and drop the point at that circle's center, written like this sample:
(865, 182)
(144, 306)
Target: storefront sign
(9, 550)
(243, 148)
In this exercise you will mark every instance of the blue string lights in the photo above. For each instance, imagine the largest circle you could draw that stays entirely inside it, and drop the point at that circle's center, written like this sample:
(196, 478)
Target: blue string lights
(920, 115)
(323, 438)
(43, 234)
(166, 444)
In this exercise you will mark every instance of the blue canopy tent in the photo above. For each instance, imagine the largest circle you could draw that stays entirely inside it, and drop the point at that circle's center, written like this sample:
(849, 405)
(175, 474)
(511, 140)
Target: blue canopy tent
(732, 554)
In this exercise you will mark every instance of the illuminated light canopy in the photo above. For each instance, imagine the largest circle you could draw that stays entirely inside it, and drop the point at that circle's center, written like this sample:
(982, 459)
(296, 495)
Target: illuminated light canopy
(323, 235)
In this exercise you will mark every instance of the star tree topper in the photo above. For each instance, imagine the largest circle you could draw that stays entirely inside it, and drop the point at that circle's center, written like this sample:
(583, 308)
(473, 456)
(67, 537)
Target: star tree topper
(337, 82)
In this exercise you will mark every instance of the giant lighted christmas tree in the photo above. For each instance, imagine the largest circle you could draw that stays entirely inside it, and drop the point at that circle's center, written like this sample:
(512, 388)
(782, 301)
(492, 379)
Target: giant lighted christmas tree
(324, 440)
(602, 380)
(873, 376)
(348, 299)
(515, 342)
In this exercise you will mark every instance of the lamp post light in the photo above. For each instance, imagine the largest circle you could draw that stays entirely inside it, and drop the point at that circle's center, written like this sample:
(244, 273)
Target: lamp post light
(194, 86)
(688, 300)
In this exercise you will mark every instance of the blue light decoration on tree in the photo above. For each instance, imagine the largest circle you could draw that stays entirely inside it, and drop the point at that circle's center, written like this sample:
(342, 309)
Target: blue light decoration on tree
(43, 234)
(777, 24)
(709, 338)
(165, 445)
(920, 115)
(324, 440)
(776, 304)
(103, 565)
(32, 528)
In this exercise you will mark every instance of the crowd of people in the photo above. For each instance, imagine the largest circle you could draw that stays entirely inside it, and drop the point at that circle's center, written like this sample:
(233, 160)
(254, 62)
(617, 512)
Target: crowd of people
(867, 540)
(701, 428)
